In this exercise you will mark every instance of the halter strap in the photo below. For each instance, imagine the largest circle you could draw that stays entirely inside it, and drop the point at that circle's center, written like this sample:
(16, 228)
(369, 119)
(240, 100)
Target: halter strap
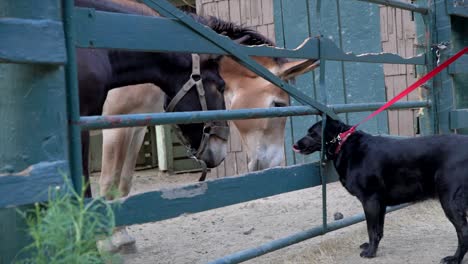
(209, 128)
(195, 80)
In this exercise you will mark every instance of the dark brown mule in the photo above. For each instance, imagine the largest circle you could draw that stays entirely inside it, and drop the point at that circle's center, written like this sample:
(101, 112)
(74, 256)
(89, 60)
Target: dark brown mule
(100, 70)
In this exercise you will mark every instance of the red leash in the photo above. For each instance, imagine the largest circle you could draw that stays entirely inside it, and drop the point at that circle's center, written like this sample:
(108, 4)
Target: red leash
(342, 137)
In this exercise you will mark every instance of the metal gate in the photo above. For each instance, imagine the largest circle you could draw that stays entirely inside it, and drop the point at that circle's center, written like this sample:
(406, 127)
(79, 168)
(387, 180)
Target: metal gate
(35, 77)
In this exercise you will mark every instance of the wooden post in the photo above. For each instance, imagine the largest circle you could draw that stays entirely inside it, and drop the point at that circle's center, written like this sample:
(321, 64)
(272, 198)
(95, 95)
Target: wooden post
(33, 134)
(164, 146)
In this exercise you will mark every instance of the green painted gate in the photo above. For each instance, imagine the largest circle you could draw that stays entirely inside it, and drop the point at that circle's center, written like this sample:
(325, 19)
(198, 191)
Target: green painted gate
(40, 131)
(352, 26)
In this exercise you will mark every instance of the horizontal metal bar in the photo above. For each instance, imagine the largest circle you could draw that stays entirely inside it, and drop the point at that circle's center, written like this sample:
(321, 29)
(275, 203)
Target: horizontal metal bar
(401, 5)
(114, 121)
(293, 239)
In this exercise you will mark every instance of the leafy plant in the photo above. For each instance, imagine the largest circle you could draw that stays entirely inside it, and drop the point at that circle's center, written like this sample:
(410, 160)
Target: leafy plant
(66, 228)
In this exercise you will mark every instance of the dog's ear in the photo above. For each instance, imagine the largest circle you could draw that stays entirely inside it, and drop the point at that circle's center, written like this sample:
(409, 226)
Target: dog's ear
(333, 127)
(333, 124)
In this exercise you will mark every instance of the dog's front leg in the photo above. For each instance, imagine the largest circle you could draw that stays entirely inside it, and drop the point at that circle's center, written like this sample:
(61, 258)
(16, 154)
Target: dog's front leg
(375, 215)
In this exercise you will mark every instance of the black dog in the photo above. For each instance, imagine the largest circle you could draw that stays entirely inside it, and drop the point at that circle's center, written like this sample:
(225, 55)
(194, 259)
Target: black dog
(382, 171)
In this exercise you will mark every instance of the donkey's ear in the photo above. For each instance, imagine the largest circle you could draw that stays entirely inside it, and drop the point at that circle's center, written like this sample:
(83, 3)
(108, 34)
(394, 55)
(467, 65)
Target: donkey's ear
(292, 69)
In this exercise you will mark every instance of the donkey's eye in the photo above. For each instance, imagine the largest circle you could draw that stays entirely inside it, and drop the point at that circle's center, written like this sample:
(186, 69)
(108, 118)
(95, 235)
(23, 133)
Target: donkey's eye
(279, 104)
(222, 87)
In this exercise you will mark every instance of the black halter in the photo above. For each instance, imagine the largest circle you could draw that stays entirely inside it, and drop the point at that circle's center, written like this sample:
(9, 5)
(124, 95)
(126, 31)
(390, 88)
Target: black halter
(209, 128)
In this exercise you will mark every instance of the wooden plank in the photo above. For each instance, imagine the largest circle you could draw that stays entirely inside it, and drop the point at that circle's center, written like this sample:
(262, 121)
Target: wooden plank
(210, 9)
(164, 148)
(410, 79)
(234, 11)
(406, 122)
(223, 10)
(245, 15)
(401, 43)
(211, 174)
(267, 12)
(409, 26)
(405, 117)
(32, 41)
(32, 184)
(186, 165)
(153, 146)
(221, 170)
(199, 7)
(179, 151)
(211, 194)
(263, 29)
(399, 23)
(242, 162)
(95, 151)
(391, 20)
(256, 12)
(230, 164)
(271, 32)
(383, 24)
(234, 139)
(391, 44)
(392, 114)
(459, 119)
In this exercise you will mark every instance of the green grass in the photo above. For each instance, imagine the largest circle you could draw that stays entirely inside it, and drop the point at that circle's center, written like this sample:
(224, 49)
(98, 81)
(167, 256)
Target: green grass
(66, 228)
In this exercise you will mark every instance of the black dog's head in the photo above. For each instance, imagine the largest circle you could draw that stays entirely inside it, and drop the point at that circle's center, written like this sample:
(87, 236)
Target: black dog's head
(312, 142)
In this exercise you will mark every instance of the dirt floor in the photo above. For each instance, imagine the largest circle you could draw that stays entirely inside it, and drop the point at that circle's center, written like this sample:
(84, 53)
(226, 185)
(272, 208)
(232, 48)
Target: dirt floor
(416, 234)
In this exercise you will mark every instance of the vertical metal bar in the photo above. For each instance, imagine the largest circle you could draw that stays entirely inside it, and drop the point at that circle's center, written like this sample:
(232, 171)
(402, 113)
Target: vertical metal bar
(323, 167)
(74, 131)
(340, 39)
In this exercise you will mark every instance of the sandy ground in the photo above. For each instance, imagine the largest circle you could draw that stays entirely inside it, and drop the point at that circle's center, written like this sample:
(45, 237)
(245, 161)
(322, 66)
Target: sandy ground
(416, 234)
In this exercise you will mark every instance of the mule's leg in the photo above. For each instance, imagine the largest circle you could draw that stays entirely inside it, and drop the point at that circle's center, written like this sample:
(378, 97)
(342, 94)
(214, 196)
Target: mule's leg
(85, 162)
(455, 209)
(137, 137)
(114, 148)
(375, 217)
(121, 238)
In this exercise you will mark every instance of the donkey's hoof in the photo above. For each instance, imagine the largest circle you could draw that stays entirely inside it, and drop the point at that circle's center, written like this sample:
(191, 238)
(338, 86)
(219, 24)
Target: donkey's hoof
(128, 248)
(123, 241)
(106, 246)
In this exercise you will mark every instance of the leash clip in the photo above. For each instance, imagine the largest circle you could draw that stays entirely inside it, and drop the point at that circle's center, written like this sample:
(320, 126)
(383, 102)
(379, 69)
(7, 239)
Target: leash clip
(335, 139)
(438, 47)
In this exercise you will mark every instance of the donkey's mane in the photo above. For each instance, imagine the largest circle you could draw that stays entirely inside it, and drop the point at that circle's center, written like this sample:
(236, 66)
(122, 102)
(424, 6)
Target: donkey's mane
(234, 31)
